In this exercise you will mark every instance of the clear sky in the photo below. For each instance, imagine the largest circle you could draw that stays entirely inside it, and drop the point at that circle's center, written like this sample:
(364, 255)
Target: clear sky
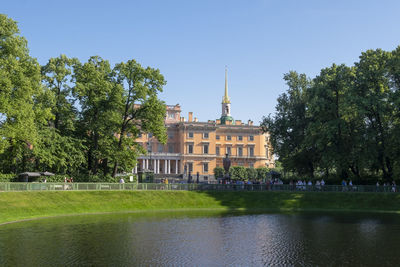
(192, 41)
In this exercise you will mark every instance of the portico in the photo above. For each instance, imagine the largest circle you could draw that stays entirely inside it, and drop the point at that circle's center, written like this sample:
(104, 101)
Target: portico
(159, 163)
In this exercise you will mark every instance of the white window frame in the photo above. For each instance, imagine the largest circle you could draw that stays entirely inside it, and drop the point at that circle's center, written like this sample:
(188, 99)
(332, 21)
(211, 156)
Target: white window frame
(188, 148)
(204, 164)
(240, 148)
(208, 149)
(249, 151)
(190, 167)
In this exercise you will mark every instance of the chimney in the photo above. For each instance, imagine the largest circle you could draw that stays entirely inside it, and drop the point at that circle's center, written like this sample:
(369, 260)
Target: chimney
(190, 117)
(195, 119)
(250, 122)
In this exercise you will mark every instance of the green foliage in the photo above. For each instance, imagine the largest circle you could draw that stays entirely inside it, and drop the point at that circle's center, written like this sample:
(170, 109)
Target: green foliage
(141, 110)
(343, 122)
(251, 173)
(262, 173)
(238, 173)
(5, 178)
(219, 172)
(20, 111)
(73, 118)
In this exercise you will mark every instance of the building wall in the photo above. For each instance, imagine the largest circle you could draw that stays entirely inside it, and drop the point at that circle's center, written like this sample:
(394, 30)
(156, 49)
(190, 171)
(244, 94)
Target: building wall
(181, 134)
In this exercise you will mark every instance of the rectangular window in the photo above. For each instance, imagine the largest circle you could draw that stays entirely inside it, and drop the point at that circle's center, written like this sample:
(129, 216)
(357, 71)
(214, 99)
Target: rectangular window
(205, 135)
(240, 138)
(190, 135)
(205, 167)
(150, 135)
(251, 137)
(217, 137)
(228, 137)
(170, 148)
(190, 166)
(171, 115)
(251, 151)
(160, 148)
(149, 147)
(266, 152)
(140, 135)
(190, 149)
(170, 135)
(217, 150)
(205, 149)
(228, 150)
(251, 165)
(240, 151)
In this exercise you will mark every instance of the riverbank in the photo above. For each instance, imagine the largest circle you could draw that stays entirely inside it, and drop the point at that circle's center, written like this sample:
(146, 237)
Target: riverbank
(16, 206)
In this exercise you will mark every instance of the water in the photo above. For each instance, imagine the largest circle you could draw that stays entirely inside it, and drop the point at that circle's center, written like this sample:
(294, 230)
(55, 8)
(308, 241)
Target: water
(204, 239)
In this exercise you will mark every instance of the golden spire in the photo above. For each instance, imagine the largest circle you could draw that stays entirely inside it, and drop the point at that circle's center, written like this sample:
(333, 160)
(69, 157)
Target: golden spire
(226, 97)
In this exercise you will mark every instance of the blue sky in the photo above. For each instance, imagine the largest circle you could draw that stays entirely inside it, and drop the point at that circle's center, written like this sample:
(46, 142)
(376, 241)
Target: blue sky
(192, 41)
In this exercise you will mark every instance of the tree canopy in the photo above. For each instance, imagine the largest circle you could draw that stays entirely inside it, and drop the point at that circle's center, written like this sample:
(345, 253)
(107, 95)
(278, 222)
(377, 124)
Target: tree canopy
(344, 122)
(72, 117)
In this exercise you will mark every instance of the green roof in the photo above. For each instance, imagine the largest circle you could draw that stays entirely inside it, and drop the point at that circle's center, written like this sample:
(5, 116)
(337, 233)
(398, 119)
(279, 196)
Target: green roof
(224, 119)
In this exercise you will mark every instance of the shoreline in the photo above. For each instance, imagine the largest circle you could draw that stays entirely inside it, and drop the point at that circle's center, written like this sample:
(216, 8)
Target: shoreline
(26, 206)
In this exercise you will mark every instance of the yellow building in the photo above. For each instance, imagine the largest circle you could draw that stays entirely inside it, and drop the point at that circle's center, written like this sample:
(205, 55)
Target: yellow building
(198, 147)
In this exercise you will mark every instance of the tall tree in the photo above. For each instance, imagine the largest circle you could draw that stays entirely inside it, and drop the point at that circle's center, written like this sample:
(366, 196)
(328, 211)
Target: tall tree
(142, 111)
(288, 128)
(373, 94)
(20, 88)
(332, 127)
(100, 98)
(57, 77)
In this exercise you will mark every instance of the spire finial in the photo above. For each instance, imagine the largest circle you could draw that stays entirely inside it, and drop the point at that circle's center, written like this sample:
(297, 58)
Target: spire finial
(226, 97)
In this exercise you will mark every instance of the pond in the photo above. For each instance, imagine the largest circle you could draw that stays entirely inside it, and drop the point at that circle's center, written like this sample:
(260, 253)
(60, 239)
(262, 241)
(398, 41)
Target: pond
(204, 239)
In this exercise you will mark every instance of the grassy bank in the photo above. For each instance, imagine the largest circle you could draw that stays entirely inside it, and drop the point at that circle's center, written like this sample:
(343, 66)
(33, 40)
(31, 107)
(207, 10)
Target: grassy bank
(25, 205)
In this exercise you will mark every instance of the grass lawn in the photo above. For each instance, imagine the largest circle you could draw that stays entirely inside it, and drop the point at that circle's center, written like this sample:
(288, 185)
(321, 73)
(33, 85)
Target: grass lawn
(26, 205)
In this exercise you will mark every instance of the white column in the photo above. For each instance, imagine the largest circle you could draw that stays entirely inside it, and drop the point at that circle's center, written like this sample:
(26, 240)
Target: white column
(147, 164)
(169, 166)
(143, 165)
(176, 166)
(136, 168)
(154, 166)
(158, 166)
(165, 166)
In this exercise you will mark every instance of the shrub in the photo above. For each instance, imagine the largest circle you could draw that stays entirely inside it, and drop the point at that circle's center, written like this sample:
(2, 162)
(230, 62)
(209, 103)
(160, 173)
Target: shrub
(262, 173)
(251, 173)
(219, 172)
(238, 173)
(9, 177)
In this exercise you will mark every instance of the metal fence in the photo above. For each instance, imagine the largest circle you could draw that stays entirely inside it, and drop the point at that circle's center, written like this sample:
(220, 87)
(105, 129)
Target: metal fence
(191, 187)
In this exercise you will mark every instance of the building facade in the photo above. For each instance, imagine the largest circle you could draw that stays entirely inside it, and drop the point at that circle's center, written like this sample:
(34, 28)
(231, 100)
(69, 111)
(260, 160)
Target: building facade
(195, 147)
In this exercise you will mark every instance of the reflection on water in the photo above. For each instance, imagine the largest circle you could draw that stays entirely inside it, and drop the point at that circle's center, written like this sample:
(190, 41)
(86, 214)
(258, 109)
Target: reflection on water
(194, 239)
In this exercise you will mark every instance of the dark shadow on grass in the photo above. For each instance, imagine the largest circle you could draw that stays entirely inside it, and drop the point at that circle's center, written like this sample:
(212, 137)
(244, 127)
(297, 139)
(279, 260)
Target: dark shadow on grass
(283, 201)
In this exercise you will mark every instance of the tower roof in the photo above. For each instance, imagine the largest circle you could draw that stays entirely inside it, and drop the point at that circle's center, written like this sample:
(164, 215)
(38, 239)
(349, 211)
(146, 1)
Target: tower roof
(226, 97)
